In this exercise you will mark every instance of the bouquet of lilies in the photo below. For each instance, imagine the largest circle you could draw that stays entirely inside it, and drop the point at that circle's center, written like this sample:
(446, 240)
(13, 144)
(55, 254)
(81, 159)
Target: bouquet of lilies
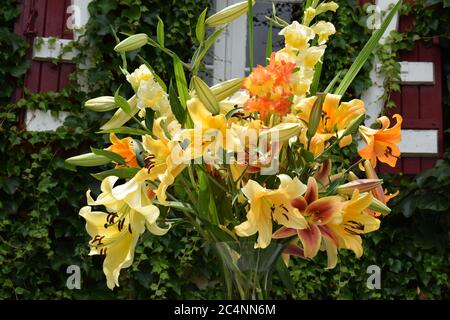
(245, 162)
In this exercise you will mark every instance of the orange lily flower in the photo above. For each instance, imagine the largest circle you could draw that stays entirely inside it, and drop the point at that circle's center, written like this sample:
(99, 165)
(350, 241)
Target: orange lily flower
(124, 148)
(381, 144)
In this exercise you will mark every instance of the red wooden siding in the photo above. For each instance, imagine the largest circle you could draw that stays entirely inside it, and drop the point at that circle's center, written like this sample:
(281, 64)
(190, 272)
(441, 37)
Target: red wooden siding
(420, 105)
(49, 21)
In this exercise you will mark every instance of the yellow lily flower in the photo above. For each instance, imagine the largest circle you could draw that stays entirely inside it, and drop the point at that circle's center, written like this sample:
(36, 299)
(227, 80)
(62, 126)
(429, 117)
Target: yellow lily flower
(165, 159)
(115, 234)
(381, 144)
(209, 133)
(355, 221)
(268, 205)
(335, 119)
(318, 213)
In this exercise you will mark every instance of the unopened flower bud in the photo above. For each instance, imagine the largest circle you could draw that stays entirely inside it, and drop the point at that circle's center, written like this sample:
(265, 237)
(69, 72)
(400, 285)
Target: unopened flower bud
(363, 185)
(101, 104)
(227, 14)
(131, 43)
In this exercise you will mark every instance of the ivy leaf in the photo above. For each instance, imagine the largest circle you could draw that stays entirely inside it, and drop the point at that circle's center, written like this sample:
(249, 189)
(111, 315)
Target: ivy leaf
(365, 52)
(110, 155)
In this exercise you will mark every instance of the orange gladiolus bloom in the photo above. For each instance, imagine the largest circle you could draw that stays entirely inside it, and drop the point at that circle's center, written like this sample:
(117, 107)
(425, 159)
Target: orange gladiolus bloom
(124, 148)
(270, 88)
(381, 144)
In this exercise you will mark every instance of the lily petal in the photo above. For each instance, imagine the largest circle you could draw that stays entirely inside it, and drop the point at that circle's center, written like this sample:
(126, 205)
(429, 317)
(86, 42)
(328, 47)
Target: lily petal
(284, 232)
(312, 191)
(322, 210)
(310, 238)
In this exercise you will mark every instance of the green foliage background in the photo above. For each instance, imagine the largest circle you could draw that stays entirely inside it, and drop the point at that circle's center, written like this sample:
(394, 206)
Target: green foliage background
(41, 233)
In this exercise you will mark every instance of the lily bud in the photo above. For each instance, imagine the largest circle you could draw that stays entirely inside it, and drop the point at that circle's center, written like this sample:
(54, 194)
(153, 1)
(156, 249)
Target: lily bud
(101, 104)
(371, 174)
(283, 132)
(120, 117)
(315, 116)
(206, 96)
(227, 88)
(228, 14)
(88, 160)
(379, 206)
(363, 185)
(352, 176)
(131, 43)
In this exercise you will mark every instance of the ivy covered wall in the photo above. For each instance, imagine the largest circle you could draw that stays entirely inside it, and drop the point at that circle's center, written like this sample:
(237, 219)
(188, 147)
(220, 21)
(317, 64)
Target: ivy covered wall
(41, 233)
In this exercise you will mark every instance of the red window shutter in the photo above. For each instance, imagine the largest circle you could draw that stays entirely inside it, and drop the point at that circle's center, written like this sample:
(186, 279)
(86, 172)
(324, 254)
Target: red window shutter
(44, 18)
(420, 105)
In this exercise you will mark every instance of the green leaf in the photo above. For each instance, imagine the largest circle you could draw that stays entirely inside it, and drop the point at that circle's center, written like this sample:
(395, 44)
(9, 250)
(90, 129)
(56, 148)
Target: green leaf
(354, 125)
(180, 77)
(365, 52)
(250, 32)
(122, 102)
(285, 275)
(149, 118)
(123, 173)
(160, 32)
(204, 48)
(316, 79)
(333, 82)
(200, 27)
(108, 154)
(205, 95)
(307, 155)
(233, 112)
(206, 204)
(269, 40)
(175, 104)
(126, 130)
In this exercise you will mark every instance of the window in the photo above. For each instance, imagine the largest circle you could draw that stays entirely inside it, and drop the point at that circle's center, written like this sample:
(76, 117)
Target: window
(230, 58)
